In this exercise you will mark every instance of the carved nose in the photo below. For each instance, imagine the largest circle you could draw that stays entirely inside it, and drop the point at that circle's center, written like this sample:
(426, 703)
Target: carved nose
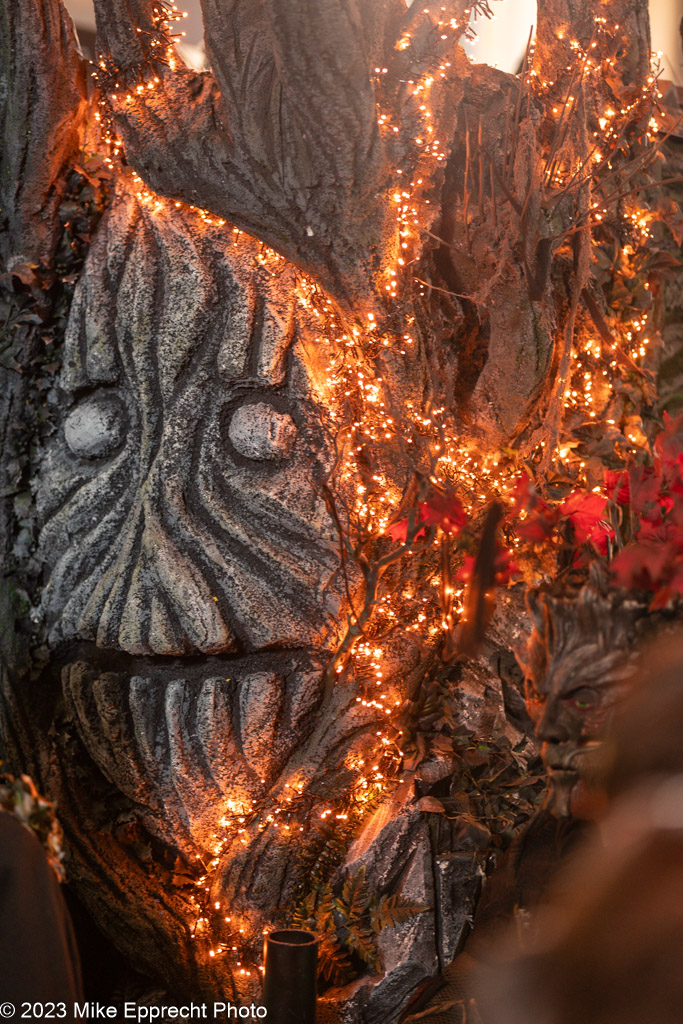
(550, 728)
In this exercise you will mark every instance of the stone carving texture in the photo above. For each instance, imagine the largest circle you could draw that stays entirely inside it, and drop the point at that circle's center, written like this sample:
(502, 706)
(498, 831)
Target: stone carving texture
(192, 593)
(171, 544)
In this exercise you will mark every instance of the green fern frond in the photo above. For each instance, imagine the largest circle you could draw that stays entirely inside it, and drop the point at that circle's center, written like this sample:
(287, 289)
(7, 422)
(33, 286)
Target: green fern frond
(334, 963)
(355, 896)
(390, 911)
(362, 942)
(326, 907)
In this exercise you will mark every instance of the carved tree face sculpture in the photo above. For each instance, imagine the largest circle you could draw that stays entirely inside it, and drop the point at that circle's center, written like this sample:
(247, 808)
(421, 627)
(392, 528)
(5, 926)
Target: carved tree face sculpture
(179, 504)
(192, 594)
(578, 665)
(193, 587)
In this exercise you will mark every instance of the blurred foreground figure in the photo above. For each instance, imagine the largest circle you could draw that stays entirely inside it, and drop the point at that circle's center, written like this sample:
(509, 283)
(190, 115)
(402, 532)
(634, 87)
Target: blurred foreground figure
(38, 957)
(607, 947)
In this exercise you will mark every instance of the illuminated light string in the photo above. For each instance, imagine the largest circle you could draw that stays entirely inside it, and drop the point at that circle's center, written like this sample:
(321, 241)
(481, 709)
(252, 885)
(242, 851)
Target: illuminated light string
(353, 390)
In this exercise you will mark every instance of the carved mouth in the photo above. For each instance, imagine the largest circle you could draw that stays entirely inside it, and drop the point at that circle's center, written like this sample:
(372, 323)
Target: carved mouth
(570, 762)
(187, 739)
(163, 669)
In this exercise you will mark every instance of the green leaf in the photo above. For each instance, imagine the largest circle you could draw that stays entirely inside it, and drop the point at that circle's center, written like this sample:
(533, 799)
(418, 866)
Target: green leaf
(393, 910)
(355, 897)
(362, 942)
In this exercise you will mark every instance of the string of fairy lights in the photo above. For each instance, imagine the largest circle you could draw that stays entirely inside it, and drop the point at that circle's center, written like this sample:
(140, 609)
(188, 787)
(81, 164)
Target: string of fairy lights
(354, 392)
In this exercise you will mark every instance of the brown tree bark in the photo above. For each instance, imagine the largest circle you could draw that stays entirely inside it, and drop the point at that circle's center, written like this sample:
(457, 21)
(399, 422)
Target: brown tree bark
(180, 703)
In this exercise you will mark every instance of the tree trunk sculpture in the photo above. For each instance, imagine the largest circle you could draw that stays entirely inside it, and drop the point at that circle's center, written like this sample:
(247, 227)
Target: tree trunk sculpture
(328, 271)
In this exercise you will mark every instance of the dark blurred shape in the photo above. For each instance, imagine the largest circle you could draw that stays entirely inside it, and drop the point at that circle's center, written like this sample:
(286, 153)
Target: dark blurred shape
(648, 735)
(479, 597)
(38, 958)
(523, 876)
(607, 947)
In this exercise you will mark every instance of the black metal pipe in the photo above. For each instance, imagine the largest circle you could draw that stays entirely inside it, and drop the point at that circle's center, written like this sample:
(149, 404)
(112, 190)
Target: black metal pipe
(291, 968)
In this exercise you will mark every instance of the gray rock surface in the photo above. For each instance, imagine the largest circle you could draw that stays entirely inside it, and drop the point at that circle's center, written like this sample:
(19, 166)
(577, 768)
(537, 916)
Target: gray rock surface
(157, 540)
(259, 431)
(96, 427)
(457, 881)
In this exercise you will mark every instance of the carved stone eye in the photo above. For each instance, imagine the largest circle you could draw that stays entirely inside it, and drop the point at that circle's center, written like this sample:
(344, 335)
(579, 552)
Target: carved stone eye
(260, 432)
(96, 427)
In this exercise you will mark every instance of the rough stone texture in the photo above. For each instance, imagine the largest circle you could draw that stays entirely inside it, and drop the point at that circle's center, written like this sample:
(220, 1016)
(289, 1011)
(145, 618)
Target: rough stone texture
(96, 427)
(344, 1005)
(191, 588)
(42, 114)
(409, 950)
(458, 877)
(217, 538)
(398, 851)
(194, 747)
(259, 431)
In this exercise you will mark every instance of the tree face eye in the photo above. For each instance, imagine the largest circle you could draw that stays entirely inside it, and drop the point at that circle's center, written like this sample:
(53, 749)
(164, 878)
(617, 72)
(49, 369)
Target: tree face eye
(96, 426)
(534, 703)
(584, 698)
(258, 431)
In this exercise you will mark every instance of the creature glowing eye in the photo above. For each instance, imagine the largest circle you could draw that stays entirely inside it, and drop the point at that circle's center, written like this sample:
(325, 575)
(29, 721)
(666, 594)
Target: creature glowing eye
(96, 426)
(583, 698)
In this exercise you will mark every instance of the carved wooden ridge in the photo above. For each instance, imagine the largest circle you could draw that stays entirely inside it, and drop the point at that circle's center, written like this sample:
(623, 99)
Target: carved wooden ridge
(298, 247)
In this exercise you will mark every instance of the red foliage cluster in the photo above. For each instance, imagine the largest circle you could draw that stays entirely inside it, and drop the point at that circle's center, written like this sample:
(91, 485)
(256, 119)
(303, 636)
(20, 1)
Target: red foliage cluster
(442, 508)
(634, 521)
(653, 557)
(504, 567)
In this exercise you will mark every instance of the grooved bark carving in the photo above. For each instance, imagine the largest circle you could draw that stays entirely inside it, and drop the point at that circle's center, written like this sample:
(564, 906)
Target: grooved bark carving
(160, 536)
(42, 112)
(191, 591)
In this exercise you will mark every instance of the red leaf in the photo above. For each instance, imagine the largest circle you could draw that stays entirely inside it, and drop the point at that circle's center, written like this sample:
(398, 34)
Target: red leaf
(524, 496)
(641, 565)
(399, 531)
(659, 531)
(504, 566)
(669, 450)
(672, 588)
(676, 516)
(538, 527)
(444, 510)
(676, 577)
(617, 486)
(585, 512)
(661, 598)
(466, 571)
(645, 488)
